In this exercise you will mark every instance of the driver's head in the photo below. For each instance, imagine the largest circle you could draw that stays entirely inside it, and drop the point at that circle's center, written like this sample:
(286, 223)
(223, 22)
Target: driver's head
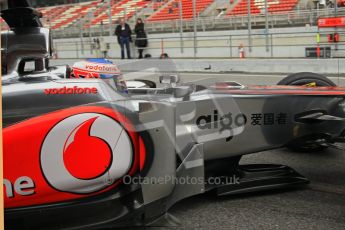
(122, 21)
(100, 68)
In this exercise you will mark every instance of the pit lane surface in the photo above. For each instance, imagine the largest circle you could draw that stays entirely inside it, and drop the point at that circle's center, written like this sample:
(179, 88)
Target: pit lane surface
(319, 205)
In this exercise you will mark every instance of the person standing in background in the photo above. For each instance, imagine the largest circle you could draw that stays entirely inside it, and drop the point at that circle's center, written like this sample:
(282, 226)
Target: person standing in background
(124, 33)
(95, 47)
(98, 48)
(141, 39)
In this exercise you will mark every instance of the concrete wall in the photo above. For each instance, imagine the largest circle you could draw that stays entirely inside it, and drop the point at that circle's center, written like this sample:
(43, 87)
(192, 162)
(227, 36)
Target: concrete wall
(282, 43)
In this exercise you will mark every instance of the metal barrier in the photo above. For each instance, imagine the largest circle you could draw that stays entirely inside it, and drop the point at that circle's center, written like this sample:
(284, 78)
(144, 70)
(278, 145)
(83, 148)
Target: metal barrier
(279, 45)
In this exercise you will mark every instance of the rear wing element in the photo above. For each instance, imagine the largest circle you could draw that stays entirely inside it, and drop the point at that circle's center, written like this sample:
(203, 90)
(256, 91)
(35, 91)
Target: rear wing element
(22, 17)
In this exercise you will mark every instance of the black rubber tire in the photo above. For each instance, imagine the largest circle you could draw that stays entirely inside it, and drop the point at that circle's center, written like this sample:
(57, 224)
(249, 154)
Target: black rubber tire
(149, 83)
(305, 147)
(305, 78)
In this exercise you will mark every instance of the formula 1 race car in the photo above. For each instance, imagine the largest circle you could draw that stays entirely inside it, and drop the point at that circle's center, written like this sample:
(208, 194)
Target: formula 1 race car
(88, 153)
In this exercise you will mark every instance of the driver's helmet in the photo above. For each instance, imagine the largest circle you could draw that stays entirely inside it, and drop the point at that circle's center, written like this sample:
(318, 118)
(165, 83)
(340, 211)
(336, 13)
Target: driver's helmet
(100, 68)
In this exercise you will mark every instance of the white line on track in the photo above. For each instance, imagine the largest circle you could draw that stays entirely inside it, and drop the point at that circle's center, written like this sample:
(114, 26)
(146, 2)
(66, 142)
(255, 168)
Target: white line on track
(239, 74)
(201, 79)
(329, 188)
(230, 74)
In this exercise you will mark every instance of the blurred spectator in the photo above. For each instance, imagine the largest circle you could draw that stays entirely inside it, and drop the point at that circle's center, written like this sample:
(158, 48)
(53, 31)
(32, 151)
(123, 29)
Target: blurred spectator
(330, 4)
(96, 47)
(123, 33)
(141, 39)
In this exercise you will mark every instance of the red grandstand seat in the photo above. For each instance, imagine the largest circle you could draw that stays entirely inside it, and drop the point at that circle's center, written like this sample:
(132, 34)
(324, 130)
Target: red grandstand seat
(258, 6)
(172, 10)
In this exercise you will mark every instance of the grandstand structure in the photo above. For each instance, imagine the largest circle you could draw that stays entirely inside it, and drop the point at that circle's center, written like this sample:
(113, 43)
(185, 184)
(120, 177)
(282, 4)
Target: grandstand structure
(93, 15)
(63, 16)
(258, 7)
(124, 8)
(171, 10)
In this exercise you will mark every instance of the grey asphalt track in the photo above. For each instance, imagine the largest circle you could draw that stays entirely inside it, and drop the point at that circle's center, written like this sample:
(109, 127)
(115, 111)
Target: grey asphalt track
(319, 205)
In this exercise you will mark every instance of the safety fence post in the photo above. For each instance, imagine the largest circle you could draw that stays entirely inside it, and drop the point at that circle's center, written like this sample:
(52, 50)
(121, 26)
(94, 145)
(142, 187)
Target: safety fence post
(230, 45)
(162, 45)
(271, 45)
(77, 46)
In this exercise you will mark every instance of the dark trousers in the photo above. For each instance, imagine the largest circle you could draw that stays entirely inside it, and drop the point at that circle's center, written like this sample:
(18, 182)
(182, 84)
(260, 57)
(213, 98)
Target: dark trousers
(105, 54)
(124, 42)
(140, 50)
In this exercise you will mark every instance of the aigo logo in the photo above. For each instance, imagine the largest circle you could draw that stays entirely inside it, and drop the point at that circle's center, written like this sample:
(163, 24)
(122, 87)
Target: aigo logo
(86, 153)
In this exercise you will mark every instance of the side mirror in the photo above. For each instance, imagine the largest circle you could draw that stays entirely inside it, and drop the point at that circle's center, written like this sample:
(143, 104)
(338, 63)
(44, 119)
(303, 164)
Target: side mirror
(169, 80)
(63, 71)
(182, 91)
(141, 83)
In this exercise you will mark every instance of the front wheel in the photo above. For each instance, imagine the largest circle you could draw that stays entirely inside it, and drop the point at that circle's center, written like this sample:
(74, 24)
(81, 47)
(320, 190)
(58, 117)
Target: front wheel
(307, 144)
(312, 80)
(307, 79)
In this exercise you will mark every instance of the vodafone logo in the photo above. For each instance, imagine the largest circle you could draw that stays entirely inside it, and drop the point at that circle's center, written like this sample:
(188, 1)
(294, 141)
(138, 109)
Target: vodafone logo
(85, 69)
(103, 68)
(85, 153)
(71, 90)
